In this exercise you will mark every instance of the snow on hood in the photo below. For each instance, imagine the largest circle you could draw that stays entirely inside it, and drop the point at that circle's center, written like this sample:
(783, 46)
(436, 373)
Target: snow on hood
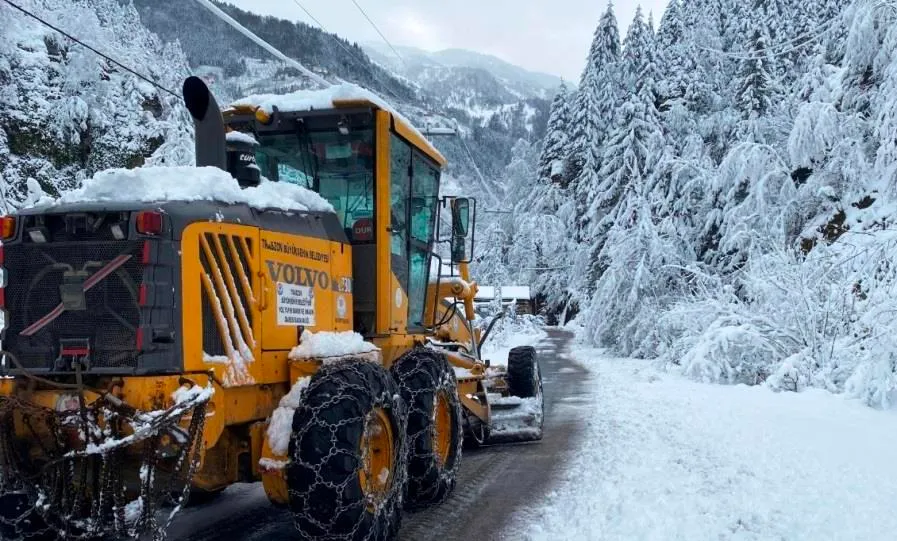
(158, 184)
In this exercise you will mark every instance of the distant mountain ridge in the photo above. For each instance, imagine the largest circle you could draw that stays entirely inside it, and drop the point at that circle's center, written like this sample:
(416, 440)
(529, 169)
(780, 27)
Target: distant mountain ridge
(517, 80)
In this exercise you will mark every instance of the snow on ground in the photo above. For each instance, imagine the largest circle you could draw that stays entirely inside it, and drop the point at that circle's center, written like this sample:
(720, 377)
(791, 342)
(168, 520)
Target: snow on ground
(667, 458)
(511, 332)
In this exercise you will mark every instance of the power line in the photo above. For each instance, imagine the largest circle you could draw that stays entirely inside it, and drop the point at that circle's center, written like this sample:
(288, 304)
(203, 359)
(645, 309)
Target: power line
(379, 32)
(372, 69)
(262, 43)
(477, 169)
(95, 51)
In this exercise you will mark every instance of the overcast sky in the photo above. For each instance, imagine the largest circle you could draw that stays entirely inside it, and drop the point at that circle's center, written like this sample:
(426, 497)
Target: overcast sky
(552, 36)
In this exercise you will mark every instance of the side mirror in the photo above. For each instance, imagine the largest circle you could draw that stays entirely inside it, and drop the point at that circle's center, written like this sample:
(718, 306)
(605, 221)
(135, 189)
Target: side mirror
(460, 217)
(459, 250)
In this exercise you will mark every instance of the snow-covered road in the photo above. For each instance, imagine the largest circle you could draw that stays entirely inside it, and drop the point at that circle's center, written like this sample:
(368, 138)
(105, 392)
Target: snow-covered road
(666, 458)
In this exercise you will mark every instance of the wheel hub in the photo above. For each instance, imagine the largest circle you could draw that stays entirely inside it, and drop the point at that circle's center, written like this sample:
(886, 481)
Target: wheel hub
(378, 457)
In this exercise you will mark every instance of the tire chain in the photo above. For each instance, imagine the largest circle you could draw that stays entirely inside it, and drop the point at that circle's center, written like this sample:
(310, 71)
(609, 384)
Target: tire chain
(420, 374)
(50, 509)
(326, 498)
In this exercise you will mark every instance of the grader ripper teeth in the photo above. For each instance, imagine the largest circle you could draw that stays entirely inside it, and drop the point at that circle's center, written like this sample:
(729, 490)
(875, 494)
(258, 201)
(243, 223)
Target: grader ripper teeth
(150, 351)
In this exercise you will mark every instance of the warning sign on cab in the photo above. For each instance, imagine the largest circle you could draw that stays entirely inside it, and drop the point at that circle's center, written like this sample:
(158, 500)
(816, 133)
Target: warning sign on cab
(295, 305)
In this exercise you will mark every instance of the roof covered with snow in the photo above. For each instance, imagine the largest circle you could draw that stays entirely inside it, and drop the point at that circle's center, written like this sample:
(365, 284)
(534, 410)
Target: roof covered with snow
(333, 97)
(507, 292)
(158, 184)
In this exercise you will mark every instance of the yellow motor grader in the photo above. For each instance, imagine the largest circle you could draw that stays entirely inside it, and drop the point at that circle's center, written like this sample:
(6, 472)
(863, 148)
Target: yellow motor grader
(155, 353)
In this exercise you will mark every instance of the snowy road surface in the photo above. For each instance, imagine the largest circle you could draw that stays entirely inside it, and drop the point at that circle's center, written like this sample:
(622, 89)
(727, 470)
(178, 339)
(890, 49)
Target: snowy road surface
(495, 483)
(671, 459)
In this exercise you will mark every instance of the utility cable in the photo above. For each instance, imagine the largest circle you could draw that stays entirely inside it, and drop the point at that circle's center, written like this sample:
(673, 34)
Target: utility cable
(477, 169)
(379, 32)
(353, 54)
(262, 43)
(95, 51)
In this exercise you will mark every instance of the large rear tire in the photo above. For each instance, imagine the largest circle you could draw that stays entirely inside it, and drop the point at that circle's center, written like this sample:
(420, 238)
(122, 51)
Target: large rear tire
(524, 377)
(346, 472)
(429, 388)
(525, 382)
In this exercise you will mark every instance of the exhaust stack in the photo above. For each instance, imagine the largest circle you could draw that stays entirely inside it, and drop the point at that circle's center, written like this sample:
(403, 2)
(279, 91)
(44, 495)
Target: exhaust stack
(207, 121)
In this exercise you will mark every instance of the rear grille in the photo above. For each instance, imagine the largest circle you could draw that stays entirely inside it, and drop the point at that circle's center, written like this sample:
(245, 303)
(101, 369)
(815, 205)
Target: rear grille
(236, 252)
(109, 323)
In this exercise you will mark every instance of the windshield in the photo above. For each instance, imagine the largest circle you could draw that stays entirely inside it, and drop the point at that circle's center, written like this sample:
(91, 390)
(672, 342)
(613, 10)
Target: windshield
(338, 166)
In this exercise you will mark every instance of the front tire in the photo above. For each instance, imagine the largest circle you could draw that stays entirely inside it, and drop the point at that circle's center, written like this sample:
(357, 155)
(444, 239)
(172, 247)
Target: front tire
(525, 381)
(347, 455)
(428, 386)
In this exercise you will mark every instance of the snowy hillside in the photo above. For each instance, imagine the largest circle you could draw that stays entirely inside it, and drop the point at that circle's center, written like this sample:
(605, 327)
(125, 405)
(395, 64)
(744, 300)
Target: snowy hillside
(66, 113)
(424, 67)
(491, 117)
(719, 192)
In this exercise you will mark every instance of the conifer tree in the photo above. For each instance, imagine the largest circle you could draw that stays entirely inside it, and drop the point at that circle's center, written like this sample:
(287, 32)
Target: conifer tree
(555, 146)
(633, 148)
(597, 99)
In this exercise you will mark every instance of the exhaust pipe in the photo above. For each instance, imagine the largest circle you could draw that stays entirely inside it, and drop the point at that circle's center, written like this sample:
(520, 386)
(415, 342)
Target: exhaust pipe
(209, 139)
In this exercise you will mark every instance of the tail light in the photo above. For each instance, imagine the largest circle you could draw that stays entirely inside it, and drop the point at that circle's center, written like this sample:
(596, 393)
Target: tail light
(149, 222)
(7, 227)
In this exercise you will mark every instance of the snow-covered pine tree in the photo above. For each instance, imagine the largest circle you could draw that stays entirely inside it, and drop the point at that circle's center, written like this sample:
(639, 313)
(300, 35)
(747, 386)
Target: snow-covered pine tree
(555, 146)
(635, 146)
(68, 113)
(596, 101)
(755, 87)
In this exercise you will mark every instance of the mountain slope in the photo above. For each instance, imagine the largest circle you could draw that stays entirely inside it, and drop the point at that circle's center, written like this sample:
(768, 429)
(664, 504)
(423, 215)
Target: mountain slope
(487, 112)
(515, 79)
(66, 113)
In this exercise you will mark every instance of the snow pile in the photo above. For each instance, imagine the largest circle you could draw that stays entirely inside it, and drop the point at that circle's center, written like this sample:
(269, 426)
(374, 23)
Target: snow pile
(668, 458)
(159, 184)
(311, 100)
(509, 332)
(280, 428)
(333, 346)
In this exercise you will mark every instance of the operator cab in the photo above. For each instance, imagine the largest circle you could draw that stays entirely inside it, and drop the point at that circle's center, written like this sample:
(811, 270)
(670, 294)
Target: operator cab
(351, 154)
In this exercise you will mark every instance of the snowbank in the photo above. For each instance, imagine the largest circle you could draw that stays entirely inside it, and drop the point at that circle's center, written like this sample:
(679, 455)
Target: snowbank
(669, 458)
(333, 346)
(158, 184)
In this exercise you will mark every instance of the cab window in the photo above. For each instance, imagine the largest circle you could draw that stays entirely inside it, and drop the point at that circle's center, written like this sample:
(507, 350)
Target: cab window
(424, 198)
(340, 167)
